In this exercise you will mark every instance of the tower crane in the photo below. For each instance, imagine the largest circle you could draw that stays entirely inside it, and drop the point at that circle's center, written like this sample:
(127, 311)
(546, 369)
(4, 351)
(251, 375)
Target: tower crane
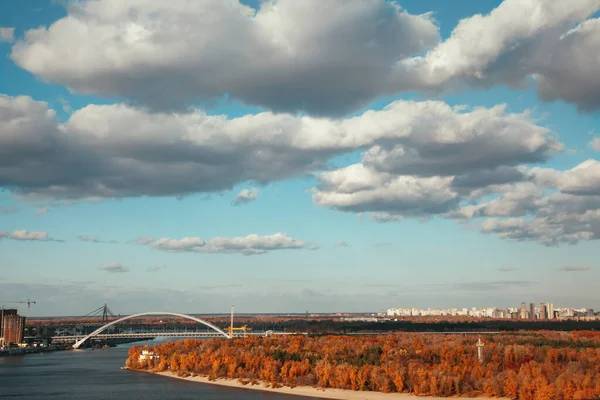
(28, 302)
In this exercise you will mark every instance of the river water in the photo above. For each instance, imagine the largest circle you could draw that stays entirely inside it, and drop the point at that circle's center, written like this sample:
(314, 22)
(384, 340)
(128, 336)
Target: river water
(96, 375)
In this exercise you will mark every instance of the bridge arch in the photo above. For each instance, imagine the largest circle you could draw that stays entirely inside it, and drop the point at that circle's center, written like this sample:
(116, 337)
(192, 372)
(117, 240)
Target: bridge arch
(103, 328)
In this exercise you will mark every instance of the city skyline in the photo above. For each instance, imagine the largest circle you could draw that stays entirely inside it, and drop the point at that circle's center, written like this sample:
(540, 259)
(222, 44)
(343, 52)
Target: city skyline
(286, 156)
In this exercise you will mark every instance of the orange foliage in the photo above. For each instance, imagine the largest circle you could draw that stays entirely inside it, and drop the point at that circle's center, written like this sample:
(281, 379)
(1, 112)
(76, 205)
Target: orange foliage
(525, 366)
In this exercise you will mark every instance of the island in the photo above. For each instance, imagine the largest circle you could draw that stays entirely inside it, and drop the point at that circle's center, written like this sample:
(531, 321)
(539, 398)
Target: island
(537, 365)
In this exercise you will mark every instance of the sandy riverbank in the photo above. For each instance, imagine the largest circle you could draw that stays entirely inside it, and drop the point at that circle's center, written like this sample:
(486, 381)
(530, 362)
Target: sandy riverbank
(339, 394)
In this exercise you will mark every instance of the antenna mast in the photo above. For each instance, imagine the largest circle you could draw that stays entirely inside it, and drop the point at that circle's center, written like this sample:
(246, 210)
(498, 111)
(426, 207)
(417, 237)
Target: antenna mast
(231, 326)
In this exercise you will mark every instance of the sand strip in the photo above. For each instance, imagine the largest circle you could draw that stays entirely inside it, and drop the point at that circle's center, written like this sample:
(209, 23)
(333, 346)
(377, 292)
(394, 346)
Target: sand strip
(339, 394)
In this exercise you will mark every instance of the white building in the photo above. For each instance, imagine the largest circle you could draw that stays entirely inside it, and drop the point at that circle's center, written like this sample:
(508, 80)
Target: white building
(148, 355)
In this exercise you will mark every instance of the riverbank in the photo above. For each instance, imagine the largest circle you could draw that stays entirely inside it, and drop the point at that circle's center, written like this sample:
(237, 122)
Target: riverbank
(338, 394)
(21, 351)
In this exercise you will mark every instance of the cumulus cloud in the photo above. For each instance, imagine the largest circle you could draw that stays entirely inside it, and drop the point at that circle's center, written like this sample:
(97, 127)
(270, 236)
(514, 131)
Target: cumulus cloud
(95, 239)
(405, 195)
(24, 235)
(248, 245)
(579, 268)
(595, 144)
(569, 229)
(584, 179)
(342, 243)
(42, 211)
(7, 34)
(192, 244)
(320, 57)
(113, 268)
(438, 158)
(90, 157)
(552, 42)
(545, 205)
(246, 196)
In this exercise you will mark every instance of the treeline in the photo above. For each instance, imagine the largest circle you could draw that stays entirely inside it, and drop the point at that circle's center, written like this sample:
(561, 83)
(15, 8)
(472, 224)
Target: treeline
(490, 325)
(330, 324)
(529, 366)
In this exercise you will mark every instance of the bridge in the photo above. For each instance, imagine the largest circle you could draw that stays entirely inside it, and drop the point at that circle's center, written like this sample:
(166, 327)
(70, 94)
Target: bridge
(160, 334)
(213, 331)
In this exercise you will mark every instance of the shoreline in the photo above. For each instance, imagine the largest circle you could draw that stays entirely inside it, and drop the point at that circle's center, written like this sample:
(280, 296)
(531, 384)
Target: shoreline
(306, 391)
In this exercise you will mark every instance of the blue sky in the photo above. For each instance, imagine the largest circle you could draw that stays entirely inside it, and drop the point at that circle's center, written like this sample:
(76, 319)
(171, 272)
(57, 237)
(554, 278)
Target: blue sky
(285, 162)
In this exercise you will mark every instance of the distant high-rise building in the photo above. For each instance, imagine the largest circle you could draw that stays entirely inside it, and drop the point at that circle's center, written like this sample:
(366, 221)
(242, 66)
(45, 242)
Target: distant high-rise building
(531, 311)
(523, 311)
(12, 329)
(543, 311)
(4, 314)
(550, 311)
(590, 312)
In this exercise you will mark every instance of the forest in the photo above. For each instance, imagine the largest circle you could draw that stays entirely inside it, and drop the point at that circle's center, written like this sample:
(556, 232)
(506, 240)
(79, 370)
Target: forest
(541, 365)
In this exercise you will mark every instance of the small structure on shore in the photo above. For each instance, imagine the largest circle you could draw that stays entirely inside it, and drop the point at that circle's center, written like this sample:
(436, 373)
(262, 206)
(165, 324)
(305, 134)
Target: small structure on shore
(480, 345)
(148, 355)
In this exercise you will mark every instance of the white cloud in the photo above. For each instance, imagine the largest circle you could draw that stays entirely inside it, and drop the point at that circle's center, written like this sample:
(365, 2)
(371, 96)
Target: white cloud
(42, 211)
(183, 244)
(342, 243)
(113, 268)
(94, 239)
(89, 156)
(334, 56)
(406, 195)
(322, 57)
(584, 179)
(595, 144)
(520, 39)
(246, 196)
(385, 217)
(24, 235)
(578, 268)
(156, 268)
(7, 34)
(251, 244)
(545, 205)
(547, 231)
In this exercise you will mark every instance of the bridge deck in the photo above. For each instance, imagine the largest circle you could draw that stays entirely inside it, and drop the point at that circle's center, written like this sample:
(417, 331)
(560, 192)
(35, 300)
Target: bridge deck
(144, 335)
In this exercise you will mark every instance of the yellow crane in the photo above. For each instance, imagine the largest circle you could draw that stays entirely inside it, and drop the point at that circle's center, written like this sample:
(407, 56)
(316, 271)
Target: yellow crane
(242, 329)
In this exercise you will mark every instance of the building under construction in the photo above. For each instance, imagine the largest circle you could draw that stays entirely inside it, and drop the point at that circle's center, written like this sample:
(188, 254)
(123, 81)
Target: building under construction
(12, 327)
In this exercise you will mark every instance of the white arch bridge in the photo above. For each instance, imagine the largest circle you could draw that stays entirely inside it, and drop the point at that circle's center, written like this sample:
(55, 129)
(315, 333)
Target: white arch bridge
(216, 331)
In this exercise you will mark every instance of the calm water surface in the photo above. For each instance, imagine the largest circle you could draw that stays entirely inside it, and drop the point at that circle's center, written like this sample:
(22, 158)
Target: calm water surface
(95, 374)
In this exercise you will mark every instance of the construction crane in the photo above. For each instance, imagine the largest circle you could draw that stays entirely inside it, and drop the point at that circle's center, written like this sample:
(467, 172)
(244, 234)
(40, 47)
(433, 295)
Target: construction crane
(28, 302)
(244, 329)
(231, 329)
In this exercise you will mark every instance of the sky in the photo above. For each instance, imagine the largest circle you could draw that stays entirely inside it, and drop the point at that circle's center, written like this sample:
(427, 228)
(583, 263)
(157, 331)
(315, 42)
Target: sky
(286, 156)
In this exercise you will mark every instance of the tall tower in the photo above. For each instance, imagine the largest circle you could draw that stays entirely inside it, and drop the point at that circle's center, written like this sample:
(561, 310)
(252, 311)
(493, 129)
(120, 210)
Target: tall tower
(531, 311)
(523, 311)
(550, 310)
(231, 326)
(543, 311)
(479, 345)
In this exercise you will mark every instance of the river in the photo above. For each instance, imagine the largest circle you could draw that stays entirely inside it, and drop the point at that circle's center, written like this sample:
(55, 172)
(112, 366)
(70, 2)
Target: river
(96, 375)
